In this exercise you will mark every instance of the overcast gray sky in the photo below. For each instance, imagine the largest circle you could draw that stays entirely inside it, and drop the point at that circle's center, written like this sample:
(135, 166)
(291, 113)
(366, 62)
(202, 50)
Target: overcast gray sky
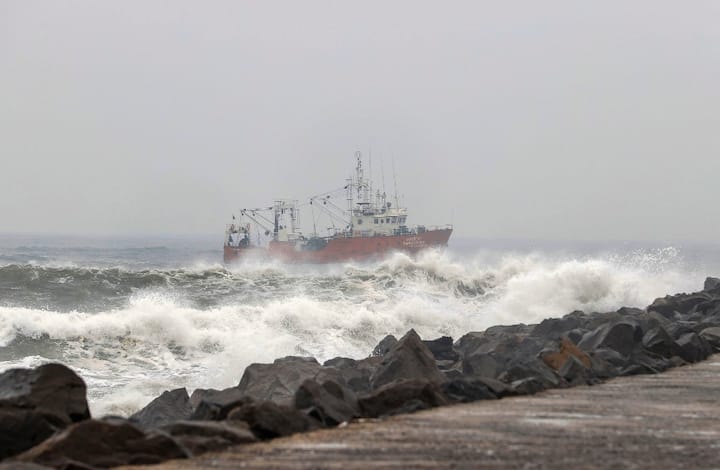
(552, 119)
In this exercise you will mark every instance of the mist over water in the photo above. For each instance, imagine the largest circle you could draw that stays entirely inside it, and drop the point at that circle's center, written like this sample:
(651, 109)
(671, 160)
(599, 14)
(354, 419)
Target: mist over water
(138, 316)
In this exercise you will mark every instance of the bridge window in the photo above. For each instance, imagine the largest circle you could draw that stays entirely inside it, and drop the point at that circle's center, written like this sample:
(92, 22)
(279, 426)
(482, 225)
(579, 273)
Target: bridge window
(376, 220)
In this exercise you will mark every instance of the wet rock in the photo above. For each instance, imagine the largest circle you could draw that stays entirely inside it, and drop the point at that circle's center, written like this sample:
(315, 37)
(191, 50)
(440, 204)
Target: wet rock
(531, 368)
(622, 336)
(408, 359)
(268, 420)
(403, 395)
(467, 390)
(575, 371)
(711, 283)
(679, 305)
(329, 403)
(498, 388)
(103, 444)
(442, 349)
(51, 389)
(693, 348)
(482, 364)
(500, 339)
(22, 429)
(356, 373)
(25, 466)
(527, 386)
(659, 341)
(712, 336)
(554, 328)
(171, 406)
(384, 346)
(564, 350)
(216, 404)
(278, 381)
(199, 394)
(203, 436)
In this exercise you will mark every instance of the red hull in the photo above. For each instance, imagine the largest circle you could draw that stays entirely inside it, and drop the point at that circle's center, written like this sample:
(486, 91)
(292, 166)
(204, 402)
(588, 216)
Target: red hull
(344, 249)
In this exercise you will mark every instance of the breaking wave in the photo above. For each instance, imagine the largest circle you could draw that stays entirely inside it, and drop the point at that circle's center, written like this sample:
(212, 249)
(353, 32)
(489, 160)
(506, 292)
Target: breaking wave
(133, 333)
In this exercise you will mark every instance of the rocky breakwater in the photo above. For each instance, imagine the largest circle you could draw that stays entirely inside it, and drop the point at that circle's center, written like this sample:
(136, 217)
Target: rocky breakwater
(45, 422)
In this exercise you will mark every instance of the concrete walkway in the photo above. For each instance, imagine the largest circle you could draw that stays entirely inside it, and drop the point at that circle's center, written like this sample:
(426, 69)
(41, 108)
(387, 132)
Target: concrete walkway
(670, 420)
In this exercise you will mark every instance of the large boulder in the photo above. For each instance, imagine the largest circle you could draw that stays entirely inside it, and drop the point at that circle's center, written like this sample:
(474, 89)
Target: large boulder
(384, 346)
(103, 444)
(22, 429)
(467, 390)
(402, 396)
(712, 336)
(356, 373)
(562, 351)
(575, 372)
(658, 341)
(203, 436)
(532, 368)
(442, 349)
(693, 348)
(711, 284)
(495, 339)
(680, 305)
(268, 420)
(622, 336)
(481, 364)
(554, 328)
(214, 405)
(171, 406)
(51, 389)
(35, 403)
(408, 359)
(278, 381)
(329, 403)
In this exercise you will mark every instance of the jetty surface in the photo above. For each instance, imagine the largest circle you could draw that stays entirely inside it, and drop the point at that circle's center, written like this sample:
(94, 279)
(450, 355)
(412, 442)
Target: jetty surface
(667, 420)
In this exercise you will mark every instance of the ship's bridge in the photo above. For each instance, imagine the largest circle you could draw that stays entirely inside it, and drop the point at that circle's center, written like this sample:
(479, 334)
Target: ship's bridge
(368, 221)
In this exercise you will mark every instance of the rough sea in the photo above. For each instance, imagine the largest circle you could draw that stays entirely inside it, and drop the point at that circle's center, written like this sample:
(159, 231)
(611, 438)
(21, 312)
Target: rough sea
(136, 316)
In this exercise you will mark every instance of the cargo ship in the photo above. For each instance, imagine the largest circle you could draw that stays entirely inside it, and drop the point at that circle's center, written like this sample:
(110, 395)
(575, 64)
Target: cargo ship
(369, 227)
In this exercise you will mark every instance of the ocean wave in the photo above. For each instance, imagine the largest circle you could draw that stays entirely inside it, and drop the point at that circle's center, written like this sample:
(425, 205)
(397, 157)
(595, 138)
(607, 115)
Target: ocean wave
(135, 333)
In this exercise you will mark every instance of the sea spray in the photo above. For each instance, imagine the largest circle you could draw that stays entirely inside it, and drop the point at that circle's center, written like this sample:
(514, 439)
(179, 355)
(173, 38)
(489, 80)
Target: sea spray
(133, 333)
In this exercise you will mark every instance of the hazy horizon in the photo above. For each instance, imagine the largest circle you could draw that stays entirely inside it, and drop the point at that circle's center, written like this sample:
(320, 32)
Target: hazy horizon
(513, 120)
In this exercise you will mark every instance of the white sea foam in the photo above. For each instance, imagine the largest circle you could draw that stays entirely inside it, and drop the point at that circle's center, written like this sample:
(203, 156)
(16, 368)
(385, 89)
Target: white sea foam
(159, 340)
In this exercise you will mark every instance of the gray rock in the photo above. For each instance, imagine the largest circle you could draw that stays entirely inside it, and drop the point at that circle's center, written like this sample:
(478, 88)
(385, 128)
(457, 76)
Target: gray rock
(575, 372)
(531, 368)
(404, 395)
(483, 364)
(329, 403)
(356, 373)
(50, 389)
(408, 359)
(96, 443)
(203, 436)
(170, 406)
(268, 420)
(216, 404)
(384, 346)
(442, 349)
(622, 336)
(659, 341)
(712, 336)
(711, 283)
(693, 347)
(22, 429)
(467, 390)
(278, 381)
